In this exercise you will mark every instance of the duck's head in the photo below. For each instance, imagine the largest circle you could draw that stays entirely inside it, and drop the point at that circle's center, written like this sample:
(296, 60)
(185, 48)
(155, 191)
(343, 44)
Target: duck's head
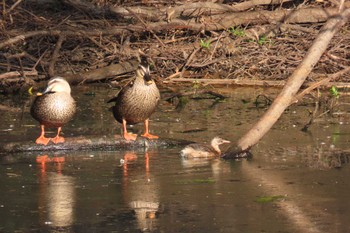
(218, 141)
(144, 72)
(57, 84)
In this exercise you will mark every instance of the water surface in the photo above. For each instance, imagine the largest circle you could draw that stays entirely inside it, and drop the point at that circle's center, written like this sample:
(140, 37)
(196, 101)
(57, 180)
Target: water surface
(290, 184)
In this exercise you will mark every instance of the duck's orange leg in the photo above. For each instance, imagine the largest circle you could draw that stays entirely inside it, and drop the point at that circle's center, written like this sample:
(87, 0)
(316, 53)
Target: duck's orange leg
(42, 139)
(126, 135)
(58, 139)
(147, 134)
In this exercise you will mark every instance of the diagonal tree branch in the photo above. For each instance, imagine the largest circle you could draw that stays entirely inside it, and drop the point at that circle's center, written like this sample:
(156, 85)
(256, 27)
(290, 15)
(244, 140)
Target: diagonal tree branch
(287, 95)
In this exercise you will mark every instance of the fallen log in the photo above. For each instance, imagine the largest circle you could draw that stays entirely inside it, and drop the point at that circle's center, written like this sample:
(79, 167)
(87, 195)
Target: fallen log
(16, 74)
(103, 143)
(103, 73)
(209, 23)
(191, 9)
(195, 10)
(74, 79)
(250, 82)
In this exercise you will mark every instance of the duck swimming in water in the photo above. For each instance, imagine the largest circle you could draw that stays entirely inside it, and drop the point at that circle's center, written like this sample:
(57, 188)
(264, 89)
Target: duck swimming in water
(53, 108)
(136, 102)
(198, 150)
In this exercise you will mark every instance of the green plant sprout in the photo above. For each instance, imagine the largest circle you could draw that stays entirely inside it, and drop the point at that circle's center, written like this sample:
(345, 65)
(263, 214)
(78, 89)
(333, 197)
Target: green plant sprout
(205, 44)
(262, 40)
(238, 31)
(196, 85)
(334, 92)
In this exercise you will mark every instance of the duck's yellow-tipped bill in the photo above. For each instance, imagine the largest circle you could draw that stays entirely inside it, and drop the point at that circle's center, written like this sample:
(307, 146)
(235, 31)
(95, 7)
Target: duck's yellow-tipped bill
(30, 91)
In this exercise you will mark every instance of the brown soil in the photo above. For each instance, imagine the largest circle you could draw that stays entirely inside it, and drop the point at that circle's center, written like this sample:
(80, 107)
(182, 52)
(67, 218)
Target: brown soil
(64, 38)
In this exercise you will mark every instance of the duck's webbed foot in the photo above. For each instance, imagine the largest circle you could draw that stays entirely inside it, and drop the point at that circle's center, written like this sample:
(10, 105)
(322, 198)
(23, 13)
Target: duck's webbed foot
(58, 138)
(129, 136)
(147, 134)
(42, 139)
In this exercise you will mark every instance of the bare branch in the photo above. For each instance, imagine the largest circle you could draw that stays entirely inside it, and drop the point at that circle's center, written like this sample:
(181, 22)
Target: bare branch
(55, 55)
(14, 74)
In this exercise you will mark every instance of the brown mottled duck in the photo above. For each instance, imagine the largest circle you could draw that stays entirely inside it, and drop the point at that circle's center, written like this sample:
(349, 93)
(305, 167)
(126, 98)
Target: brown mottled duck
(136, 102)
(53, 108)
(198, 150)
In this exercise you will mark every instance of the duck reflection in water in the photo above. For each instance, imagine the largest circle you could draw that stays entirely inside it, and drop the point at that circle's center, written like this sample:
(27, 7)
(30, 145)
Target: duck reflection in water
(140, 190)
(57, 194)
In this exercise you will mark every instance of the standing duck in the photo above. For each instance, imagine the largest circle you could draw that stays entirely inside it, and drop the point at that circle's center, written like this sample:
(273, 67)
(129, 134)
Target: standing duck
(197, 150)
(53, 108)
(136, 102)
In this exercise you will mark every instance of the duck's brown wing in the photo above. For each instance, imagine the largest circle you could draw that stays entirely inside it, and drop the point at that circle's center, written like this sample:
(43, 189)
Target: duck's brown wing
(121, 92)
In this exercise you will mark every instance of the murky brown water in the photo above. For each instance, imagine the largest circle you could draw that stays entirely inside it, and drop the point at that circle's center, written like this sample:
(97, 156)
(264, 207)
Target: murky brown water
(157, 191)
